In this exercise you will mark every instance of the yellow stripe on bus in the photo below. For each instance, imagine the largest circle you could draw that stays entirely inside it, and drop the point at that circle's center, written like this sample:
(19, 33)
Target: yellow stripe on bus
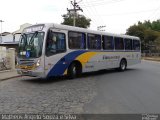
(85, 57)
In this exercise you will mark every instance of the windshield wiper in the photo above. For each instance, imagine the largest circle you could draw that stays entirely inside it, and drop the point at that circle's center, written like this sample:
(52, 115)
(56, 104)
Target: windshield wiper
(31, 40)
(24, 39)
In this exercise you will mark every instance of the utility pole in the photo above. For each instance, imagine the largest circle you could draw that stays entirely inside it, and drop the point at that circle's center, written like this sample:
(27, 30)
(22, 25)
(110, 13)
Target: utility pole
(99, 28)
(1, 31)
(74, 10)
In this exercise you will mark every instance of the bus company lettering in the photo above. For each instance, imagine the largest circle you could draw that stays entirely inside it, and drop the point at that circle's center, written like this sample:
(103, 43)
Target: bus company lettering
(110, 57)
(89, 66)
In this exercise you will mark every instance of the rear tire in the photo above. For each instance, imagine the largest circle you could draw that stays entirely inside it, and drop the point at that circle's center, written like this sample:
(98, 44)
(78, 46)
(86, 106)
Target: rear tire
(123, 65)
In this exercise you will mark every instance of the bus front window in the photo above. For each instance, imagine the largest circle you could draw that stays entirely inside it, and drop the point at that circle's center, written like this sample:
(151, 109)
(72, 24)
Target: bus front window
(30, 45)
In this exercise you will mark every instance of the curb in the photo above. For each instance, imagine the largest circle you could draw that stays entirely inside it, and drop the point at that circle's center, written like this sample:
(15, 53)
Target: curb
(5, 71)
(6, 78)
(14, 75)
(151, 61)
(10, 77)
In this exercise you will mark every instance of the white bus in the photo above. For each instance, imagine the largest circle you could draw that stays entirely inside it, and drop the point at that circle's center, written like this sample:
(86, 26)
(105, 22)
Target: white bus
(47, 50)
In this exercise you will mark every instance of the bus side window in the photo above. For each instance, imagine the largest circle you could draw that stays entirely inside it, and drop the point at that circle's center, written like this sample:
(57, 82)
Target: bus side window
(61, 42)
(128, 44)
(94, 41)
(51, 42)
(136, 45)
(55, 43)
(77, 40)
(108, 42)
(119, 44)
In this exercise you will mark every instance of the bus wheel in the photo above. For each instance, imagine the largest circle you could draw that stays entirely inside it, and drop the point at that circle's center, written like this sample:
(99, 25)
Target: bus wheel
(72, 71)
(123, 65)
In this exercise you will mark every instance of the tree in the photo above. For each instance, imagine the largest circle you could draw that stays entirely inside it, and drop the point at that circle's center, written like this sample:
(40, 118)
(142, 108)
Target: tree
(139, 31)
(148, 32)
(157, 42)
(155, 25)
(136, 30)
(81, 20)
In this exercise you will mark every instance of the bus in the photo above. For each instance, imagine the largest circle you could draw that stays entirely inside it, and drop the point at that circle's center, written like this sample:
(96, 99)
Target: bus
(48, 50)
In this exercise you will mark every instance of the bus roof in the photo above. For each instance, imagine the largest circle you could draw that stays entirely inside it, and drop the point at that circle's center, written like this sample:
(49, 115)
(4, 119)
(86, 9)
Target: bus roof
(72, 28)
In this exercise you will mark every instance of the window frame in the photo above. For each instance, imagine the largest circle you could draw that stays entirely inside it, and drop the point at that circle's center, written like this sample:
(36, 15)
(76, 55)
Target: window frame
(88, 41)
(85, 46)
(47, 39)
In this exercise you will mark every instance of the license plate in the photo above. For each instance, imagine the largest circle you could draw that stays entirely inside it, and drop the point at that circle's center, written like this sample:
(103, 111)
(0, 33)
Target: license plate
(25, 71)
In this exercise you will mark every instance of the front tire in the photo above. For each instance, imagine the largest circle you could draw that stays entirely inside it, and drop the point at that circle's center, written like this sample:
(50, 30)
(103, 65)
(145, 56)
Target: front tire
(72, 71)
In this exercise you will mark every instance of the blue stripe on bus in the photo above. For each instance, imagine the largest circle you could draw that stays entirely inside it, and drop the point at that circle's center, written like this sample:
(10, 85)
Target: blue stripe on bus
(59, 68)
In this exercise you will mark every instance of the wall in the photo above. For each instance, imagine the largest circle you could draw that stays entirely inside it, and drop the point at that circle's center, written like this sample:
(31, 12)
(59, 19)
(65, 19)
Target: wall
(7, 59)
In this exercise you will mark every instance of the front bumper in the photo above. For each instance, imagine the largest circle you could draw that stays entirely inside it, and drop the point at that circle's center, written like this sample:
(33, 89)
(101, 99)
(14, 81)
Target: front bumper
(31, 73)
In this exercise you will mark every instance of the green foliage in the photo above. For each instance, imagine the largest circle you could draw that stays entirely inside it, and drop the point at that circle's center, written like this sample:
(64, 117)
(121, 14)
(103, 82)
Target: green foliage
(148, 32)
(155, 25)
(81, 21)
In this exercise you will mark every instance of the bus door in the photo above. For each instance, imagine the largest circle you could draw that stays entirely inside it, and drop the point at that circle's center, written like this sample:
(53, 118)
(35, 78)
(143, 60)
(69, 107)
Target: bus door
(55, 50)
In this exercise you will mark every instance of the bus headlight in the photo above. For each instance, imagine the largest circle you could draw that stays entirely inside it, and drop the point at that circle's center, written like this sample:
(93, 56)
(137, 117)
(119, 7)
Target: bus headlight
(38, 63)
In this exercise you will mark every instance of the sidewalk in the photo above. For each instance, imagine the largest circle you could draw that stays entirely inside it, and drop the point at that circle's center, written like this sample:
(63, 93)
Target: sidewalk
(157, 59)
(8, 74)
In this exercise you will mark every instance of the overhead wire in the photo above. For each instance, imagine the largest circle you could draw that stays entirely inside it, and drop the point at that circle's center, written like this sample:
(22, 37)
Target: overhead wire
(97, 13)
(92, 12)
(136, 12)
(154, 13)
(101, 3)
(92, 20)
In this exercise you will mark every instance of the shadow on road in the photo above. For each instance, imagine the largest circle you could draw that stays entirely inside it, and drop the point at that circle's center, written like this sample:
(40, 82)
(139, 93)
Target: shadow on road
(84, 75)
(102, 72)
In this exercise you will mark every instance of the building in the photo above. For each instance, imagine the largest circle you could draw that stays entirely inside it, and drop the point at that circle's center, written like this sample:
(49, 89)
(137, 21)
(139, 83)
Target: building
(11, 40)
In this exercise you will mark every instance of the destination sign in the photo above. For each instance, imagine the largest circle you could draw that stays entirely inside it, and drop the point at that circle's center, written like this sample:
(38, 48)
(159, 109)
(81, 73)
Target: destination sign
(33, 28)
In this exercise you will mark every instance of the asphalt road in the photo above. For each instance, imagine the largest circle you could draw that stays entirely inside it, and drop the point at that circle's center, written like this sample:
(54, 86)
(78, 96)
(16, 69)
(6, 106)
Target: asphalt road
(136, 90)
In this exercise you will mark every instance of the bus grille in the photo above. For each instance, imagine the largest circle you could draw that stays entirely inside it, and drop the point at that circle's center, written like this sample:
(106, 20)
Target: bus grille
(26, 62)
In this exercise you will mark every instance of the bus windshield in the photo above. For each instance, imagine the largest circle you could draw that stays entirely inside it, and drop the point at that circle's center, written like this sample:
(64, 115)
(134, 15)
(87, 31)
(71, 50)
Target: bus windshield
(30, 45)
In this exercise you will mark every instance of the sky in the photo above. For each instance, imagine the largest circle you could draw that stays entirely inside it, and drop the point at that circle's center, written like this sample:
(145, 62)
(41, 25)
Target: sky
(116, 15)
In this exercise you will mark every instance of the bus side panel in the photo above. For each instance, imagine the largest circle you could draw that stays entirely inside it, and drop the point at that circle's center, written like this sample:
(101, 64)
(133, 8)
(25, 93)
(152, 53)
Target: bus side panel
(54, 65)
(133, 58)
(100, 60)
(57, 65)
(106, 60)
